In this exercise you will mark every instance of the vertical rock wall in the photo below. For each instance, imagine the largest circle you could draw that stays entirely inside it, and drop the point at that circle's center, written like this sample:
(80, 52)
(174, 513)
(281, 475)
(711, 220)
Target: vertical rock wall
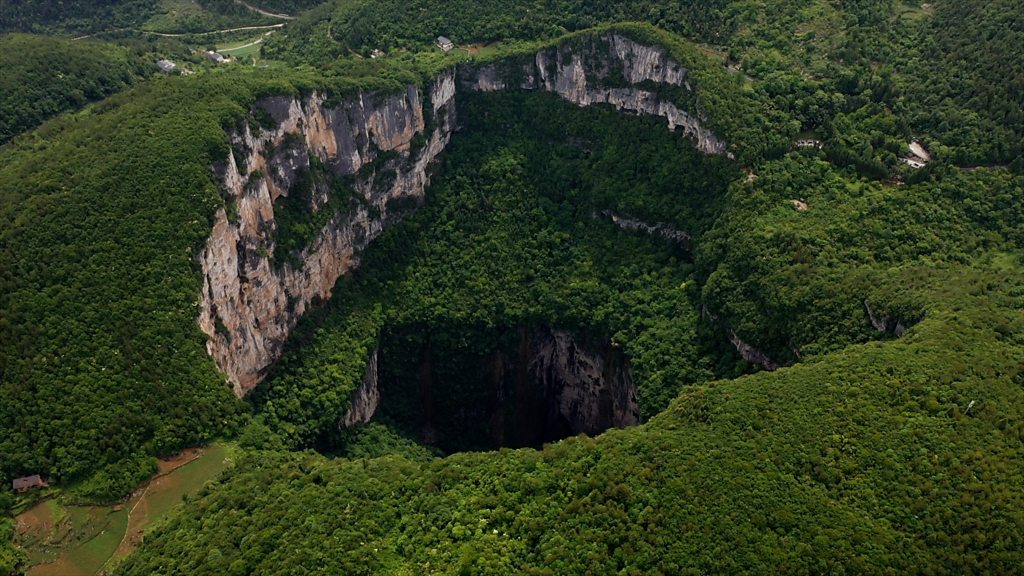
(250, 303)
(610, 70)
(586, 389)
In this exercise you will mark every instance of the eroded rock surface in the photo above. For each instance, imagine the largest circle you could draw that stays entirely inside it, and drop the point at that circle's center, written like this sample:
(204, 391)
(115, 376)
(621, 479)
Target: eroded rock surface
(586, 388)
(611, 70)
(383, 144)
(366, 397)
(249, 302)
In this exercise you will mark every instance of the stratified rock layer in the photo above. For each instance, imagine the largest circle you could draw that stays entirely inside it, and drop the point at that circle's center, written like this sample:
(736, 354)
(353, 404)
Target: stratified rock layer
(250, 303)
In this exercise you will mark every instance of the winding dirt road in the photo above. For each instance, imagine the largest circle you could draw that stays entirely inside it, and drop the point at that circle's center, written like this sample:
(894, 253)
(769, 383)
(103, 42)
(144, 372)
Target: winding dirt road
(264, 12)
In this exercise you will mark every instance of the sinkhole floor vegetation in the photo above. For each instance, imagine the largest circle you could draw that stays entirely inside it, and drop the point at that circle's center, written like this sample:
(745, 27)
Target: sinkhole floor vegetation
(870, 450)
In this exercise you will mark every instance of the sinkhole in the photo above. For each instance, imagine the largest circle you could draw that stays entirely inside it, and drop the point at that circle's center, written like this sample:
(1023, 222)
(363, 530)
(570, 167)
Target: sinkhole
(479, 388)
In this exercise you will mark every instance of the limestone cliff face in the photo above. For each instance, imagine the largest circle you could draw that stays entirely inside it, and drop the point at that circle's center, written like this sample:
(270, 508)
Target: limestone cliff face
(658, 229)
(249, 303)
(545, 385)
(613, 70)
(885, 323)
(587, 388)
(366, 397)
(383, 144)
(746, 351)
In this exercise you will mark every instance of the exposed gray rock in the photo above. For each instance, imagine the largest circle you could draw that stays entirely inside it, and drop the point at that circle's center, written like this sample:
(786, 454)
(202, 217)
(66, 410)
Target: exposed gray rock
(885, 324)
(746, 351)
(751, 354)
(366, 397)
(659, 229)
(249, 303)
(587, 389)
(608, 70)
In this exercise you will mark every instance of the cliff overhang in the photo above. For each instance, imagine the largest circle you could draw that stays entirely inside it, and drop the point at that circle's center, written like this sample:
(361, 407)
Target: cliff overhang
(358, 166)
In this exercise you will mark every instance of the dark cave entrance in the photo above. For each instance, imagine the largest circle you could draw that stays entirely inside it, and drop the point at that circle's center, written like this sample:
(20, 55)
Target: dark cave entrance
(481, 388)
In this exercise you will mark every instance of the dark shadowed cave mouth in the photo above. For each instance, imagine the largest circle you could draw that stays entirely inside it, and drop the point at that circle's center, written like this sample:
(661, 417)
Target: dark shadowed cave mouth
(482, 388)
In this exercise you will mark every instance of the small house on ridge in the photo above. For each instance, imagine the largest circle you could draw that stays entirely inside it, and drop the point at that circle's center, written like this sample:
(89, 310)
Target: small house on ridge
(26, 483)
(444, 43)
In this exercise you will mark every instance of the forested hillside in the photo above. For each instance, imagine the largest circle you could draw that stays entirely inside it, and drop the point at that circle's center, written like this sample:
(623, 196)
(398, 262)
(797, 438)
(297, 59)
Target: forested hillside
(863, 457)
(968, 80)
(824, 342)
(864, 76)
(42, 77)
(129, 17)
(73, 16)
(101, 360)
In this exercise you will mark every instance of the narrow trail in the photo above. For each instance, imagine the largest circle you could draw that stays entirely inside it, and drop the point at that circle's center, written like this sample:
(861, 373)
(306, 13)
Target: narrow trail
(180, 34)
(264, 12)
(212, 32)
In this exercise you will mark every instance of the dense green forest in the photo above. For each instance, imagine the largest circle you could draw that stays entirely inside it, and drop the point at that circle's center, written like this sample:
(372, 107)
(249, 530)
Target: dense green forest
(864, 457)
(41, 77)
(881, 458)
(889, 441)
(73, 16)
(864, 76)
(513, 236)
(101, 358)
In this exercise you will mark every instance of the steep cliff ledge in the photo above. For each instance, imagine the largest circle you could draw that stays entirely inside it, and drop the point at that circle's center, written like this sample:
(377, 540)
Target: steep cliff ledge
(250, 302)
(378, 148)
(611, 69)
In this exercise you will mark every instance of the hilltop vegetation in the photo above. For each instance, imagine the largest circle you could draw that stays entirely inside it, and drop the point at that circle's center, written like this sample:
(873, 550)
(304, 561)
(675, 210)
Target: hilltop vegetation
(101, 359)
(72, 16)
(872, 451)
(864, 457)
(86, 17)
(883, 457)
(42, 77)
(864, 76)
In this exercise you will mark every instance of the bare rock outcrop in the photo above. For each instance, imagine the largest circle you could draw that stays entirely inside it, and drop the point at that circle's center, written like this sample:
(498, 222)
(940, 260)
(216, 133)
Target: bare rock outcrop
(746, 351)
(587, 389)
(612, 70)
(382, 144)
(366, 397)
(658, 229)
(884, 323)
(249, 303)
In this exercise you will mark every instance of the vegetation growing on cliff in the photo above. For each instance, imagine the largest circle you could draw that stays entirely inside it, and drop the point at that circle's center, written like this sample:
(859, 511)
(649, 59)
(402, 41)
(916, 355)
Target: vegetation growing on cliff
(872, 460)
(863, 76)
(863, 456)
(514, 235)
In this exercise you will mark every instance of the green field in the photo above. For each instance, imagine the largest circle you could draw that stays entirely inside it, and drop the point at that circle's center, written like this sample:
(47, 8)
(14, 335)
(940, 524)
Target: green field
(244, 49)
(81, 540)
